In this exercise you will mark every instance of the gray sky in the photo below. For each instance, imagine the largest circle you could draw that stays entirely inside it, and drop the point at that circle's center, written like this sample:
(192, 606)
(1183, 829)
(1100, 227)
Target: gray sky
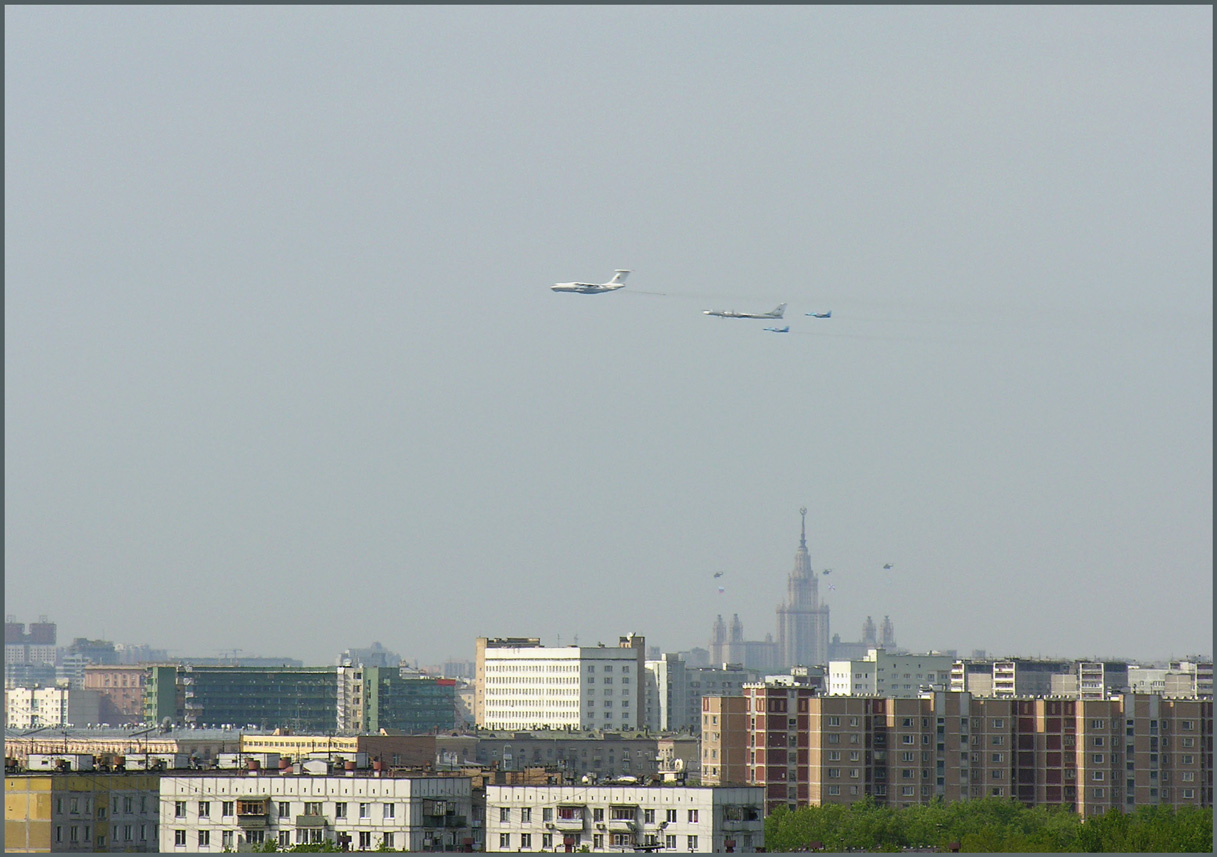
(283, 372)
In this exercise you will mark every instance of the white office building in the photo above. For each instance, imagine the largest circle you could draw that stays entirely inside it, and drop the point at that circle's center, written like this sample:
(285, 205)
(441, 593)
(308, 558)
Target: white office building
(894, 675)
(625, 818)
(522, 685)
(364, 811)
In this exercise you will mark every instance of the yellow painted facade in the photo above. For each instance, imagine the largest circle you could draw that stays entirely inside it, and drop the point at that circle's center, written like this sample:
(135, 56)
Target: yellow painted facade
(30, 801)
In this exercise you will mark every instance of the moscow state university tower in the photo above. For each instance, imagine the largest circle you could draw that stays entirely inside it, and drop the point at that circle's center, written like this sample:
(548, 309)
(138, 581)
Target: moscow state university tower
(802, 619)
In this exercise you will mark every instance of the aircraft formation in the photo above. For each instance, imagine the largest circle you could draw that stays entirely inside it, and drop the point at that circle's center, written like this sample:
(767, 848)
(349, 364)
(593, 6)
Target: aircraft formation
(618, 282)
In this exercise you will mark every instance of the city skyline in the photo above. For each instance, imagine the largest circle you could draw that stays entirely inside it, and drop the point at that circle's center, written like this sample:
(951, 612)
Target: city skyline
(283, 361)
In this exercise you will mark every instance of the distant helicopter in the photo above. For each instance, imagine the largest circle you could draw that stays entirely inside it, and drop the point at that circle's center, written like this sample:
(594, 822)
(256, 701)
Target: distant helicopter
(887, 565)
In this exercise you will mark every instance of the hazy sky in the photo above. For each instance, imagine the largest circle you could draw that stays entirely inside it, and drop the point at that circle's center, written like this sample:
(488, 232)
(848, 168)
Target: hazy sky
(283, 371)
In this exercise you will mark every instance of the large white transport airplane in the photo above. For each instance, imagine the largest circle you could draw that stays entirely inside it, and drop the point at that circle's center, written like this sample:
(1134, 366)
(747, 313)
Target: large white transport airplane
(618, 282)
(730, 313)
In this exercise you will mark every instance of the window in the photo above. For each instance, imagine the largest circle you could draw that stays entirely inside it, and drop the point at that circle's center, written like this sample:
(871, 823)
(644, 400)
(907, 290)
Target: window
(526, 841)
(226, 839)
(598, 814)
(365, 840)
(365, 810)
(1097, 758)
(1188, 725)
(1187, 742)
(834, 755)
(907, 791)
(1096, 775)
(179, 836)
(692, 816)
(669, 842)
(390, 811)
(1100, 792)
(834, 738)
(1098, 741)
(1189, 794)
(1188, 760)
(999, 740)
(340, 810)
(670, 817)
(1188, 776)
(692, 843)
(204, 838)
(504, 813)
(834, 790)
(285, 839)
(999, 723)
(285, 808)
(204, 809)
(907, 723)
(833, 774)
(648, 816)
(597, 841)
(227, 808)
(179, 810)
(908, 739)
(547, 841)
(999, 757)
(547, 814)
(834, 721)
(312, 807)
(526, 817)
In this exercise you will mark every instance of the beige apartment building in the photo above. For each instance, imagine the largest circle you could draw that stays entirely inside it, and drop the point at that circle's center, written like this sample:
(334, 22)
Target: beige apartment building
(724, 739)
(1089, 755)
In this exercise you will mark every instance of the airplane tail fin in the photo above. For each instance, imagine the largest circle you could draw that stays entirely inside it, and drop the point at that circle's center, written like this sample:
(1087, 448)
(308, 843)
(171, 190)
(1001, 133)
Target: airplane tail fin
(780, 311)
(618, 277)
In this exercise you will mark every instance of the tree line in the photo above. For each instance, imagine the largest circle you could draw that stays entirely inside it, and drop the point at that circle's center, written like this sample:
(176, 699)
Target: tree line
(989, 825)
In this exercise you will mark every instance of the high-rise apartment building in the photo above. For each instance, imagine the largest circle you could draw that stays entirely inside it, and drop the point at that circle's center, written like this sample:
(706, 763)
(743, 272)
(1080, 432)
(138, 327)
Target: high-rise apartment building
(523, 685)
(1090, 755)
(724, 740)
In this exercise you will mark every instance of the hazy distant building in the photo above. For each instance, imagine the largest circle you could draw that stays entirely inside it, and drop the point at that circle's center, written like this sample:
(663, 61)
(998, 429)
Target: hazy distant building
(375, 655)
(122, 692)
(1030, 677)
(675, 690)
(29, 657)
(802, 626)
(521, 684)
(882, 673)
(1185, 679)
(32, 708)
(802, 619)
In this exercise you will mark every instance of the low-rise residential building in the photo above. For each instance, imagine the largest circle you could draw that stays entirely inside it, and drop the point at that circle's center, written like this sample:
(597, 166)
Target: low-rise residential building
(392, 751)
(624, 818)
(84, 812)
(576, 754)
(360, 810)
(201, 745)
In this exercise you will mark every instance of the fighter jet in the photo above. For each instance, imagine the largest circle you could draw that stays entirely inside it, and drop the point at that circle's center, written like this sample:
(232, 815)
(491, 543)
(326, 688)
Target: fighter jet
(785, 329)
(618, 282)
(819, 314)
(730, 313)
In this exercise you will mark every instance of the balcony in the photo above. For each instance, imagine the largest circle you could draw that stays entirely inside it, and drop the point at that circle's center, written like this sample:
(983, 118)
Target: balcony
(311, 821)
(572, 823)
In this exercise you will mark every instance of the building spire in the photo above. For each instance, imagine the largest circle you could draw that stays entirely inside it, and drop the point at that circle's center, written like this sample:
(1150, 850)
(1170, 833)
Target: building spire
(803, 532)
